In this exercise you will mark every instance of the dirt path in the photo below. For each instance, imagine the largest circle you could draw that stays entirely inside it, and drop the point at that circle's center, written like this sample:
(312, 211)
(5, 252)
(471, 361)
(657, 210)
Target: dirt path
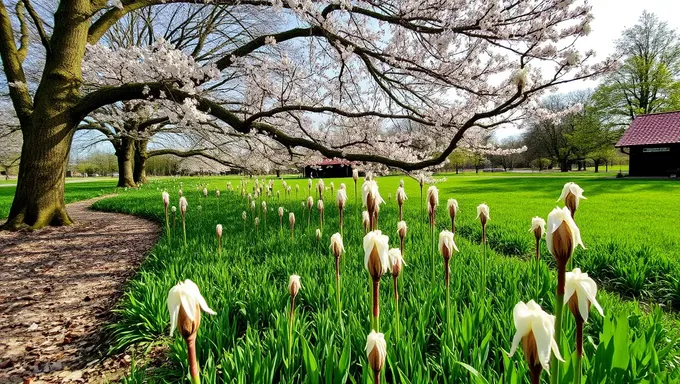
(57, 288)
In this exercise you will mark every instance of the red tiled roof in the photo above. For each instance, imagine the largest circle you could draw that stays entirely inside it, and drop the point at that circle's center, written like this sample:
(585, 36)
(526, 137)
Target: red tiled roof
(658, 128)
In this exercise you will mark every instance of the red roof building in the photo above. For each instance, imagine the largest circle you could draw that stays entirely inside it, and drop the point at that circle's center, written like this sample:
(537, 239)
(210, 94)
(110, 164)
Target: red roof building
(653, 143)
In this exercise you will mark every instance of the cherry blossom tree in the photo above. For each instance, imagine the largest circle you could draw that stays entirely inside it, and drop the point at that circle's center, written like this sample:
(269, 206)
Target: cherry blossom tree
(331, 81)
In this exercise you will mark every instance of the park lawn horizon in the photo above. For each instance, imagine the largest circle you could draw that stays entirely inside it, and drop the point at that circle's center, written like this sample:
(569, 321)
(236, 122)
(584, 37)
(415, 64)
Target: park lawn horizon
(631, 250)
(74, 191)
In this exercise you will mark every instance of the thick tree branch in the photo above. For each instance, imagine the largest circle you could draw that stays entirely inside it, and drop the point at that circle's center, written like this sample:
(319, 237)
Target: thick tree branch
(44, 39)
(22, 52)
(18, 91)
(191, 153)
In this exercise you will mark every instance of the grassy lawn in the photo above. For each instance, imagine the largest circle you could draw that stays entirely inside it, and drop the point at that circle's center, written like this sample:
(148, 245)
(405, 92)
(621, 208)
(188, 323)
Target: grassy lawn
(74, 191)
(630, 229)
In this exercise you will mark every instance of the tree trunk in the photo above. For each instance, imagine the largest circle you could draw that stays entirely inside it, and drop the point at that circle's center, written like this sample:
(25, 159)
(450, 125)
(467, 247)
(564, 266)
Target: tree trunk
(597, 166)
(564, 166)
(39, 195)
(141, 155)
(125, 153)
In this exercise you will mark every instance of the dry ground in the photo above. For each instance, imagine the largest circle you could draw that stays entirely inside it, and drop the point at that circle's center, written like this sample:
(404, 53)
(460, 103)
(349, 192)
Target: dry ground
(57, 289)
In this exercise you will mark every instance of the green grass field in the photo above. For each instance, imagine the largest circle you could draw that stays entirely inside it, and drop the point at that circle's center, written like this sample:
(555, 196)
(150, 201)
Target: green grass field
(75, 190)
(628, 226)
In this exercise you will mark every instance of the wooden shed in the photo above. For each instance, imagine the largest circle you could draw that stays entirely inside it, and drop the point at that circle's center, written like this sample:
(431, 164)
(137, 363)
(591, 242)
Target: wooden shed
(653, 143)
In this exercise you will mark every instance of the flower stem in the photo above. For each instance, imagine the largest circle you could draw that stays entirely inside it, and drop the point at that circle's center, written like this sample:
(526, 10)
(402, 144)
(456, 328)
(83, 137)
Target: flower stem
(432, 245)
(538, 269)
(193, 362)
(376, 305)
(290, 329)
(337, 287)
(448, 298)
(396, 304)
(579, 351)
(167, 223)
(535, 373)
(484, 271)
(342, 233)
(559, 306)
(377, 377)
(184, 229)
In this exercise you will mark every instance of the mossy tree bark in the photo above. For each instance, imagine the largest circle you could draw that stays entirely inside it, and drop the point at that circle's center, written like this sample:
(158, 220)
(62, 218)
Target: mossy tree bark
(141, 155)
(125, 153)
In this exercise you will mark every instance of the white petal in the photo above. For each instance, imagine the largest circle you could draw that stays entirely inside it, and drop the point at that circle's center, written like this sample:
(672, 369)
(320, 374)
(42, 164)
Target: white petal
(515, 343)
(543, 333)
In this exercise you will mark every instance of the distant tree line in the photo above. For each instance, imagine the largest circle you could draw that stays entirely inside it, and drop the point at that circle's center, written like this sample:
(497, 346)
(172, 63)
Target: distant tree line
(106, 164)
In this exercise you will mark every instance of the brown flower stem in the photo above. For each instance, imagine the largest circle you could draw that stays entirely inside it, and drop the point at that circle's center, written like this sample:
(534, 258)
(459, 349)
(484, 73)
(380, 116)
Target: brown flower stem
(184, 229)
(432, 246)
(579, 350)
(447, 277)
(193, 362)
(401, 216)
(342, 234)
(559, 305)
(453, 225)
(535, 373)
(167, 222)
(538, 268)
(290, 329)
(377, 377)
(396, 303)
(376, 305)
(219, 245)
(337, 287)
(401, 245)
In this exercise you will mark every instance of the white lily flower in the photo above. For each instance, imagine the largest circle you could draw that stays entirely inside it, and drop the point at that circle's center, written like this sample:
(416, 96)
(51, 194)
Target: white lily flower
(183, 205)
(537, 226)
(446, 244)
(396, 261)
(583, 289)
(370, 190)
(341, 198)
(562, 235)
(401, 195)
(483, 213)
(536, 330)
(402, 228)
(376, 350)
(432, 198)
(571, 194)
(376, 259)
(336, 245)
(294, 285)
(186, 295)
